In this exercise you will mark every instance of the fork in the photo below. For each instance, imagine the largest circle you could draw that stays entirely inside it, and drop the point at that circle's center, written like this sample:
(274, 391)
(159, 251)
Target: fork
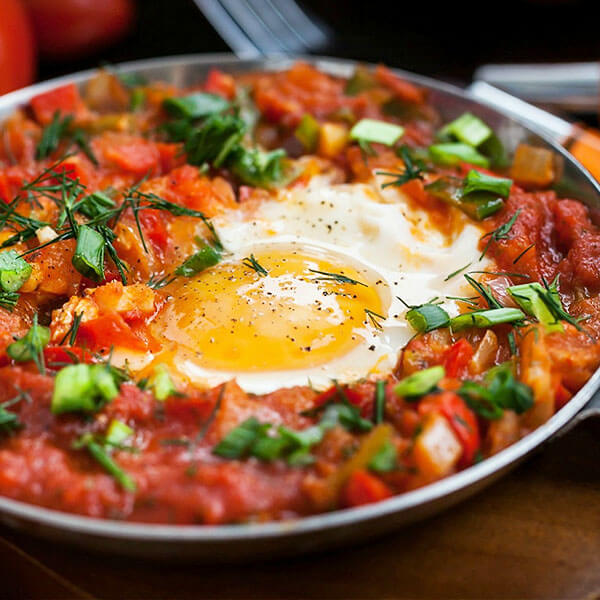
(255, 28)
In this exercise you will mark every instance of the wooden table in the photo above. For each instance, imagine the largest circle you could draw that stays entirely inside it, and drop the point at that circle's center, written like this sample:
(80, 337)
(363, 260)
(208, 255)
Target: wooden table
(534, 534)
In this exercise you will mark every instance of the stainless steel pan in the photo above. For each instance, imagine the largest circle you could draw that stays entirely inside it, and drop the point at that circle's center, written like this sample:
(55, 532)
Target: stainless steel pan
(249, 542)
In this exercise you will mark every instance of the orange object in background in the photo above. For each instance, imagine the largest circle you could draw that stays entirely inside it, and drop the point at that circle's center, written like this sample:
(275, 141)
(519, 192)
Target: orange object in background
(17, 47)
(71, 28)
(584, 145)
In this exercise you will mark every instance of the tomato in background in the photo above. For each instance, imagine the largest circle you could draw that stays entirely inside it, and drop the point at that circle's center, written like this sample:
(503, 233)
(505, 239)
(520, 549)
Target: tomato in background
(17, 49)
(70, 28)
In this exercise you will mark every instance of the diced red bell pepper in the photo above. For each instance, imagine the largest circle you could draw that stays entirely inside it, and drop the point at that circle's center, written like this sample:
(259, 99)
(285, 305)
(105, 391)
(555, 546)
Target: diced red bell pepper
(65, 99)
(364, 488)
(462, 420)
(457, 358)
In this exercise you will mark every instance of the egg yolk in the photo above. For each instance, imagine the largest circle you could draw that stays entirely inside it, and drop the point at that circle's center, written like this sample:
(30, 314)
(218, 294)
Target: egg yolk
(277, 313)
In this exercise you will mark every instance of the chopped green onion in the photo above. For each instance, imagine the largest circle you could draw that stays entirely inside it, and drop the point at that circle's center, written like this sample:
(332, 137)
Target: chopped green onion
(468, 129)
(379, 409)
(118, 432)
(103, 457)
(386, 459)
(477, 205)
(31, 345)
(531, 297)
(486, 318)
(453, 153)
(373, 131)
(161, 384)
(89, 253)
(308, 132)
(14, 271)
(481, 182)
(195, 105)
(420, 383)
(206, 257)
(427, 317)
(83, 387)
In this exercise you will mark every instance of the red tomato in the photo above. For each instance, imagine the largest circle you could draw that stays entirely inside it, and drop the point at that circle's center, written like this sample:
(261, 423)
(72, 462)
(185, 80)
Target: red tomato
(70, 28)
(461, 419)
(106, 331)
(64, 99)
(364, 488)
(220, 83)
(457, 358)
(17, 50)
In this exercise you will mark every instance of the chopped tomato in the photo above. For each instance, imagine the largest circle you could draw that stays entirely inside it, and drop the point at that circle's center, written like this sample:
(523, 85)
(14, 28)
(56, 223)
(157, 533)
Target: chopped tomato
(461, 419)
(403, 89)
(336, 393)
(106, 331)
(65, 99)
(220, 83)
(457, 358)
(134, 155)
(59, 355)
(364, 488)
(154, 227)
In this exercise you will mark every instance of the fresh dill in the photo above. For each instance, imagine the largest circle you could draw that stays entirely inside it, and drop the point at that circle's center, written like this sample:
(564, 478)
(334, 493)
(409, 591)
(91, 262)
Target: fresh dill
(252, 263)
(507, 273)
(71, 333)
(454, 273)
(470, 301)
(52, 135)
(374, 318)
(156, 283)
(484, 291)
(9, 421)
(522, 254)
(339, 277)
(413, 169)
(500, 233)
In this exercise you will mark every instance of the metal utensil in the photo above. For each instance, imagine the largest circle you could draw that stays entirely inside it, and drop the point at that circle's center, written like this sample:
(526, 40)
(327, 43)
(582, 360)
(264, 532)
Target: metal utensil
(254, 28)
(573, 87)
(253, 541)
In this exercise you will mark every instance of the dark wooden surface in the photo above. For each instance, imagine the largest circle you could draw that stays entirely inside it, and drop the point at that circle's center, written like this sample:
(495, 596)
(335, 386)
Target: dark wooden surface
(534, 534)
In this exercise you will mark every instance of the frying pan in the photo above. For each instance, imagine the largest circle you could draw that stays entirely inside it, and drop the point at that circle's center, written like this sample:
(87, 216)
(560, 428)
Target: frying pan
(252, 541)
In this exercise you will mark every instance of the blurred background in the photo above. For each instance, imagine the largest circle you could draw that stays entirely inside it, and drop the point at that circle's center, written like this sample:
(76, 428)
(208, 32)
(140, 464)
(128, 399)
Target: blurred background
(445, 40)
